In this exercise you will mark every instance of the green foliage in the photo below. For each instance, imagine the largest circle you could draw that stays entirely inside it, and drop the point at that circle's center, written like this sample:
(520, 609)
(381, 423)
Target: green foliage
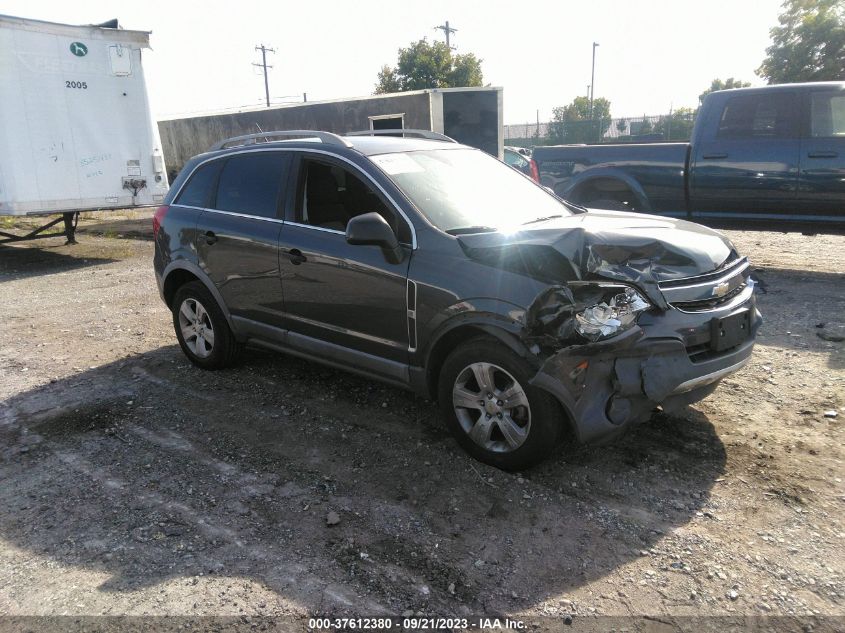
(676, 126)
(387, 81)
(573, 124)
(718, 84)
(809, 44)
(429, 65)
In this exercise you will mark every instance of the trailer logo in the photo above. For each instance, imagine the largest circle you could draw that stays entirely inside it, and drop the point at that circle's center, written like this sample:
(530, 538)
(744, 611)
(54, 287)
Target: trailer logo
(79, 49)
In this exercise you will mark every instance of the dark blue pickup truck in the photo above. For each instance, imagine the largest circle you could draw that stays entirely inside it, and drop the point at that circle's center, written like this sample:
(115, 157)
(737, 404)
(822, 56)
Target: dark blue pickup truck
(759, 157)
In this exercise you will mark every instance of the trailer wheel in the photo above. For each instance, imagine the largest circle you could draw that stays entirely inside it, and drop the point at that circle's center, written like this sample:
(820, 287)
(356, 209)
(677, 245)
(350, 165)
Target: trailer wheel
(201, 328)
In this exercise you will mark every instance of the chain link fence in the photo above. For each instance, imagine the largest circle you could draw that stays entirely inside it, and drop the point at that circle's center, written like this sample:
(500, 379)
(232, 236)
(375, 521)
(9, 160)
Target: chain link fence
(642, 129)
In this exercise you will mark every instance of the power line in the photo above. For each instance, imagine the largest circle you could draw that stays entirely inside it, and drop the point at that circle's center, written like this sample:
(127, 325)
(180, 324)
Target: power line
(447, 30)
(264, 50)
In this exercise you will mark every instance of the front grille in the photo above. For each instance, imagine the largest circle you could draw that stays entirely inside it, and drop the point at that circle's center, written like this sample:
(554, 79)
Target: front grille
(709, 291)
(704, 305)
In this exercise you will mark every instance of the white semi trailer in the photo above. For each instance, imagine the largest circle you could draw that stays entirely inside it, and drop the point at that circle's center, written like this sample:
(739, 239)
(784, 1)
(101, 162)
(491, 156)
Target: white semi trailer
(76, 132)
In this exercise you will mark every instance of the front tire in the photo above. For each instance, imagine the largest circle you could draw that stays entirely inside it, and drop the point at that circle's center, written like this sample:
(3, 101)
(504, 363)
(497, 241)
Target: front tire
(201, 328)
(493, 411)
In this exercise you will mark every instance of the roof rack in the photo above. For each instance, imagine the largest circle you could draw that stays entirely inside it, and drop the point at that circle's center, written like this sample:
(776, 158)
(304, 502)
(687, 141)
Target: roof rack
(434, 136)
(250, 139)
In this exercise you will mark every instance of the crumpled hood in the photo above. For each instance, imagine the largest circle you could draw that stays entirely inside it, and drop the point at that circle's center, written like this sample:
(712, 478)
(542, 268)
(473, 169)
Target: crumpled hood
(627, 247)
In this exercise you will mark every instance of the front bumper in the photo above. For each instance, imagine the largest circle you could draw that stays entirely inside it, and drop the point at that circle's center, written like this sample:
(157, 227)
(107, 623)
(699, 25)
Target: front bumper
(607, 386)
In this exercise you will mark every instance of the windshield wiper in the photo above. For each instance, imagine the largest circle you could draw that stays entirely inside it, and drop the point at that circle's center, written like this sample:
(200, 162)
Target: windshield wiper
(548, 217)
(463, 230)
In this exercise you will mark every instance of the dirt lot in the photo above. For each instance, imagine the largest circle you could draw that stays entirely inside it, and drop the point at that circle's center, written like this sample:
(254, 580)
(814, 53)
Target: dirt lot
(133, 483)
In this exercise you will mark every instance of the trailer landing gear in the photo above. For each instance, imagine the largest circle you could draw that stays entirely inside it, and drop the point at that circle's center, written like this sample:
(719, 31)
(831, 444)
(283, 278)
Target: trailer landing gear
(70, 219)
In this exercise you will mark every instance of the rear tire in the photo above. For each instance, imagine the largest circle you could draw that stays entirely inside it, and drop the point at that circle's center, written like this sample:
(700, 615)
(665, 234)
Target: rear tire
(491, 409)
(201, 328)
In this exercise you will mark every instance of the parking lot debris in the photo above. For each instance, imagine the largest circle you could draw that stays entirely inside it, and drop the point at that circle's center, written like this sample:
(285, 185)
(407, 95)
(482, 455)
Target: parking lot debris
(332, 518)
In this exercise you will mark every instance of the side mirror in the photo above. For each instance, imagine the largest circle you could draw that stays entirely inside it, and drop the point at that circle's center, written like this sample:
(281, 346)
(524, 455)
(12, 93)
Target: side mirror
(370, 229)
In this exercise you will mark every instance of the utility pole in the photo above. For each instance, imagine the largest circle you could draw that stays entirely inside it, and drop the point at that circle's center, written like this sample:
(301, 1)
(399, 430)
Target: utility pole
(593, 79)
(264, 50)
(448, 31)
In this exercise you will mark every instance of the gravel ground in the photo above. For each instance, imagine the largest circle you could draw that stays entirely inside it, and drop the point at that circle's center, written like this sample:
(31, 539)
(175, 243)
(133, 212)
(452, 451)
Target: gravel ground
(133, 483)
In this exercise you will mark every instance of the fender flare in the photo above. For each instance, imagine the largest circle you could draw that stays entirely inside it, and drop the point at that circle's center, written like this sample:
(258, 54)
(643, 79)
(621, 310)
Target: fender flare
(199, 273)
(610, 173)
(484, 318)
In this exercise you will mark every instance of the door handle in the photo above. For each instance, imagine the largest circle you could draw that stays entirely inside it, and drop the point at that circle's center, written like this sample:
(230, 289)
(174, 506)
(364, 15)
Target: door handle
(714, 155)
(823, 154)
(296, 257)
(210, 237)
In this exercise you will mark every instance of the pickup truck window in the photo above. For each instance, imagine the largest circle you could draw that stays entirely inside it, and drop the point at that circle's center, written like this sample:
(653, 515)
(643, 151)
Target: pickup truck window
(466, 189)
(828, 114)
(759, 116)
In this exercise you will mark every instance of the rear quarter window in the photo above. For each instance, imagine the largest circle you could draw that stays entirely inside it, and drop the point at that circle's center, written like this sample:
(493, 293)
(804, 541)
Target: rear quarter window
(197, 191)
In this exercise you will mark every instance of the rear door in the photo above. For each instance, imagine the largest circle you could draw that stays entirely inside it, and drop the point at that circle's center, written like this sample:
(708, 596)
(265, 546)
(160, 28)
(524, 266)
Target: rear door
(238, 235)
(822, 182)
(746, 163)
(344, 302)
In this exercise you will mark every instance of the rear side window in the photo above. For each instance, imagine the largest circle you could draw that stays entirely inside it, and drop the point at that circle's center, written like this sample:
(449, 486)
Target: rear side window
(251, 183)
(197, 192)
(759, 116)
(827, 114)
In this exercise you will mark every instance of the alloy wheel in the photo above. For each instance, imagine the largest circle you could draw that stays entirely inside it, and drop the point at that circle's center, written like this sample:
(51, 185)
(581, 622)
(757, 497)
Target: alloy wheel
(491, 407)
(196, 326)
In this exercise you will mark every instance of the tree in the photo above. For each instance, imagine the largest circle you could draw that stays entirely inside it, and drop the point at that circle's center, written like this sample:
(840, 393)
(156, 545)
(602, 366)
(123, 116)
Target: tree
(809, 44)
(676, 126)
(429, 65)
(573, 124)
(718, 84)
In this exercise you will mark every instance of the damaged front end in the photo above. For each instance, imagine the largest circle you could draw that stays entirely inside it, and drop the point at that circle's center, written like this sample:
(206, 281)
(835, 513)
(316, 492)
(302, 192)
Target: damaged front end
(644, 313)
(611, 357)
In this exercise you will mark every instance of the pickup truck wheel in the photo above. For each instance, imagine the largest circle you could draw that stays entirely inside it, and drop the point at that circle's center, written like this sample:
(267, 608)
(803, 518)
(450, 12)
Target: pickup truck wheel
(492, 410)
(201, 328)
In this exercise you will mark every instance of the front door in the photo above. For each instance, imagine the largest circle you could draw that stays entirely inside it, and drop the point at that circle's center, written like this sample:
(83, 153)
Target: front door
(238, 236)
(343, 302)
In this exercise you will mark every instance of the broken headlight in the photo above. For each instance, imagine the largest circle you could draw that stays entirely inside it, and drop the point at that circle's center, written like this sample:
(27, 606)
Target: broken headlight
(612, 316)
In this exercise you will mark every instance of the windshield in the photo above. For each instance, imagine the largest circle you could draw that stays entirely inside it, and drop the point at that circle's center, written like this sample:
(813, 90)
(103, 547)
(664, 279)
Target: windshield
(466, 190)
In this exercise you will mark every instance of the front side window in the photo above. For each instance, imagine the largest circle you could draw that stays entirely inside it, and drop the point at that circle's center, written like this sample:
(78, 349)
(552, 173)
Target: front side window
(251, 183)
(331, 195)
(759, 116)
(466, 190)
(827, 114)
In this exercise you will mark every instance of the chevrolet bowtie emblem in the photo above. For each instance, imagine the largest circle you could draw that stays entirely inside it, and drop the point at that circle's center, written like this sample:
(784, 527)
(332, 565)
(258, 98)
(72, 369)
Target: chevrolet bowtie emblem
(722, 289)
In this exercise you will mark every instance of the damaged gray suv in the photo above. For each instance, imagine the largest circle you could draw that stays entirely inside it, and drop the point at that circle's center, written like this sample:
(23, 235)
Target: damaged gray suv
(432, 266)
